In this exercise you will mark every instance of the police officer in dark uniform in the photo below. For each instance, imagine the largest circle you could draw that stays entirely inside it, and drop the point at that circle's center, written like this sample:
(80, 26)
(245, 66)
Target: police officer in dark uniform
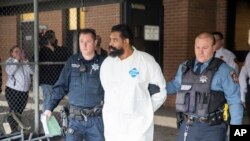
(203, 86)
(80, 80)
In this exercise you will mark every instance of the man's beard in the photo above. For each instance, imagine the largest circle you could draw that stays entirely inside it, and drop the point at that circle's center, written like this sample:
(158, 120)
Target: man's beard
(114, 52)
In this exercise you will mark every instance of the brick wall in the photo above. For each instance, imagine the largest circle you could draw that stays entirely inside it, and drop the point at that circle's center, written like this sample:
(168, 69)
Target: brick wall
(200, 18)
(8, 36)
(8, 29)
(221, 16)
(53, 20)
(102, 18)
(175, 38)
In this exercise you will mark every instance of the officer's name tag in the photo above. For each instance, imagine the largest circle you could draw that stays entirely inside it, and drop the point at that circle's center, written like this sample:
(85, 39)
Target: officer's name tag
(186, 87)
(239, 132)
(75, 65)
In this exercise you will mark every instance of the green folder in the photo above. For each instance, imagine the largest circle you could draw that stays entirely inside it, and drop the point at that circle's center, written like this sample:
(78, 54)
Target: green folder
(51, 126)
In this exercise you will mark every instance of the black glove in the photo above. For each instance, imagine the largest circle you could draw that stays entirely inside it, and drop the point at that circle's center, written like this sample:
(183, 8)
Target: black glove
(179, 119)
(152, 88)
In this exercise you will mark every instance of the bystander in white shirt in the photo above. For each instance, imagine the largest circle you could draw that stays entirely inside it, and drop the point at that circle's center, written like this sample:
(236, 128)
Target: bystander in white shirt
(18, 75)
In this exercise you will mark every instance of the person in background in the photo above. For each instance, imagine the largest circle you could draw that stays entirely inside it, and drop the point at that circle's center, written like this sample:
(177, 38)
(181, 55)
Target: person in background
(99, 49)
(18, 84)
(49, 73)
(245, 85)
(223, 53)
(203, 85)
(80, 80)
(126, 76)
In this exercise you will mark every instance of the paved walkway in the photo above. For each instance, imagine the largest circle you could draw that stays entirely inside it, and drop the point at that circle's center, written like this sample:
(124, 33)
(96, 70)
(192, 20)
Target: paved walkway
(165, 122)
(165, 125)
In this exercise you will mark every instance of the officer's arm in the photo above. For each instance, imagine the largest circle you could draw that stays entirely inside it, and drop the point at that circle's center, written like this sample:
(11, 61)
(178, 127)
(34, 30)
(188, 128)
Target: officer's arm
(231, 89)
(61, 87)
(174, 85)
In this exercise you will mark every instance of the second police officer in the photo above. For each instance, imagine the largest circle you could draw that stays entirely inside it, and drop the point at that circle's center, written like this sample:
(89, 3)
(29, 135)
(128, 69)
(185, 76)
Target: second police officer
(223, 53)
(203, 85)
(80, 80)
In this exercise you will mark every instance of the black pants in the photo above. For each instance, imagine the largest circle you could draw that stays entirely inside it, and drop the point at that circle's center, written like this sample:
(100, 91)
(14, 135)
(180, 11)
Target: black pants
(17, 101)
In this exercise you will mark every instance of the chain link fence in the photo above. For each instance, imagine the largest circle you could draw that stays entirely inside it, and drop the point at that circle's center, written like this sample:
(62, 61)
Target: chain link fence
(37, 38)
(18, 61)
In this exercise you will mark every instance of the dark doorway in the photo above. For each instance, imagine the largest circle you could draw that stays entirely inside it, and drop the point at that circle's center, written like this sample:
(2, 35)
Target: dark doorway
(238, 28)
(27, 35)
(145, 17)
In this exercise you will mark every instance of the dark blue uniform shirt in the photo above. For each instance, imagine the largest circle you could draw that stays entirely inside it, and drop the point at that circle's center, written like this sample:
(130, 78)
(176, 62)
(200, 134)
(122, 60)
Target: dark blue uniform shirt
(80, 80)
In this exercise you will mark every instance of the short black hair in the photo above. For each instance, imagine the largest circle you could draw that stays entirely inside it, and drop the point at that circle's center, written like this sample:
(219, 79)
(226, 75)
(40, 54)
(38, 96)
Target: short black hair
(88, 31)
(126, 32)
(49, 34)
(218, 34)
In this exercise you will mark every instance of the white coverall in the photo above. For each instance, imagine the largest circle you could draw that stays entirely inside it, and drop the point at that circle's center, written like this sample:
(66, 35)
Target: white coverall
(128, 107)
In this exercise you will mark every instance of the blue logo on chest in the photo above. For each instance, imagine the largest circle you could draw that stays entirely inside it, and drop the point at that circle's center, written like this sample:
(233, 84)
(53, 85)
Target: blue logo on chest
(133, 72)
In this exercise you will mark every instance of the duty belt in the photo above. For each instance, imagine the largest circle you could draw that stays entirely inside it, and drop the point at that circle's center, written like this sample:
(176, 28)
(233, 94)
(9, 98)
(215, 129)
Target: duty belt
(196, 119)
(212, 119)
(84, 113)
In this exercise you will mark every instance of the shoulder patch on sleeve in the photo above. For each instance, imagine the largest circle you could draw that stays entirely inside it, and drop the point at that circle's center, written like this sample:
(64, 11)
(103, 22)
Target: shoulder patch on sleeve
(234, 77)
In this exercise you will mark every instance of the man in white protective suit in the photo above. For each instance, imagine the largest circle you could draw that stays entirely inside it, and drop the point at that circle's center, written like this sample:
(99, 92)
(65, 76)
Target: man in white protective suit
(134, 89)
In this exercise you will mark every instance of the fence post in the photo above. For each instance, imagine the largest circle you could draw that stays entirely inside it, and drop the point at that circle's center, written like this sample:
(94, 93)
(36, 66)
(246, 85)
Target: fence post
(36, 71)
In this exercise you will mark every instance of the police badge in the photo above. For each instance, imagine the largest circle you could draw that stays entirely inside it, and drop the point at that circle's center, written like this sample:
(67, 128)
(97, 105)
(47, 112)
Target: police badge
(95, 67)
(203, 79)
